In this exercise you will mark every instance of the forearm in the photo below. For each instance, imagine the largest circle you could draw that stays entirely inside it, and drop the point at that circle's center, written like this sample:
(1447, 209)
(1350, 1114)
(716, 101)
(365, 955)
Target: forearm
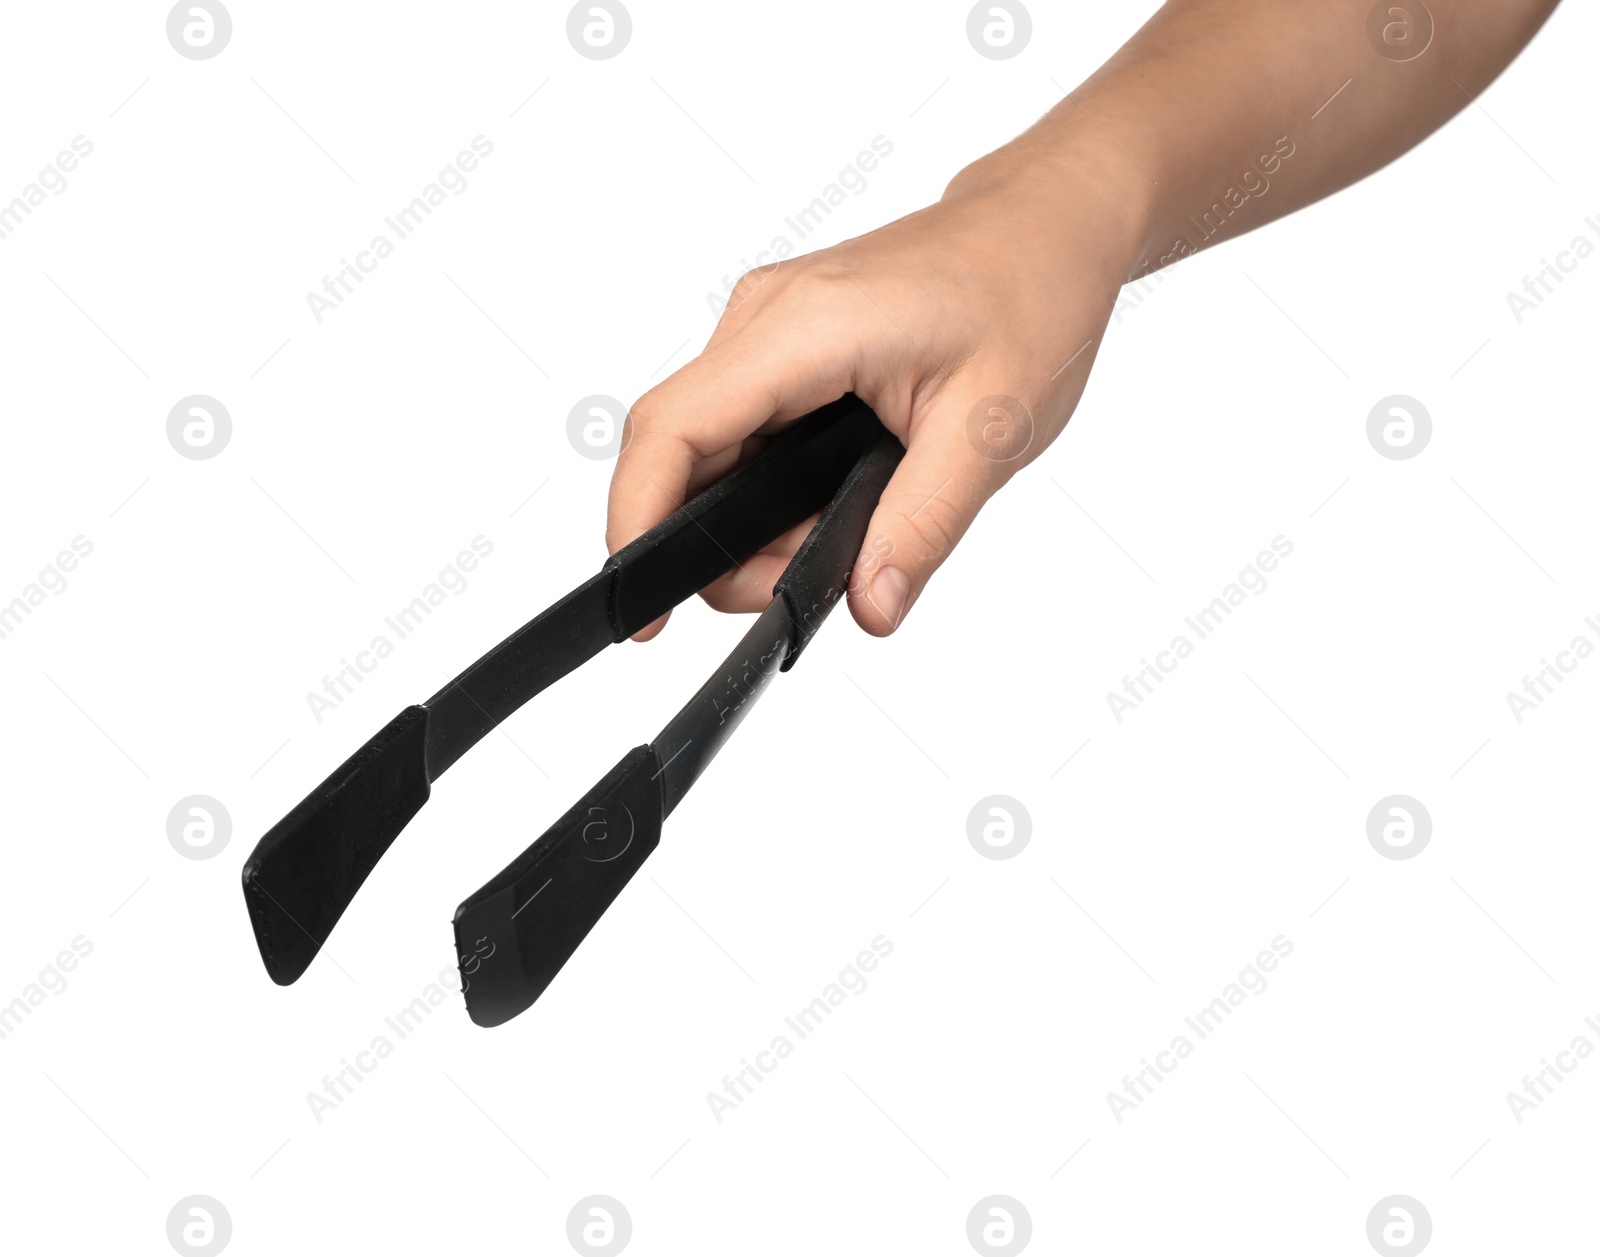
(971, 326)
(1221, 115)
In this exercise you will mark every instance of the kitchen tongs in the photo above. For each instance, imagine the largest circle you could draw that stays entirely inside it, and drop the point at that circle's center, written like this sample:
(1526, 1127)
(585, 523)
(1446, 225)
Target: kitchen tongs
(515, 933)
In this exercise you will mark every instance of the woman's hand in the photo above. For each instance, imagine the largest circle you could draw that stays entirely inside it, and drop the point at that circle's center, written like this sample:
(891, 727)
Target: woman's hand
(969, 327)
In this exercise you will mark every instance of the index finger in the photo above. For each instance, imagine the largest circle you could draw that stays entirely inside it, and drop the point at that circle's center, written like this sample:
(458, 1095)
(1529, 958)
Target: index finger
(704, 412)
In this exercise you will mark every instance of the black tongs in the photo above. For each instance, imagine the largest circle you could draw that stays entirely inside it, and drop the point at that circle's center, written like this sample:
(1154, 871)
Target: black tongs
(515, 933)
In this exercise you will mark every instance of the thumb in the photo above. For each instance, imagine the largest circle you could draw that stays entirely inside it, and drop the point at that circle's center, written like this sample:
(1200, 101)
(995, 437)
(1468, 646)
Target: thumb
(927, 507)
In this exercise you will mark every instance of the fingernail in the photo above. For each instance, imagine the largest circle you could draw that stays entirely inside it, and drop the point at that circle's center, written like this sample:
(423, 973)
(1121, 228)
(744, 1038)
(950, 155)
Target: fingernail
(891, 591)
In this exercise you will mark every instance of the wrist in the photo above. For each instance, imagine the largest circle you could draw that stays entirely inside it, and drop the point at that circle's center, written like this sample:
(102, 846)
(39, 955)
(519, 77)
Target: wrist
(1070, 180)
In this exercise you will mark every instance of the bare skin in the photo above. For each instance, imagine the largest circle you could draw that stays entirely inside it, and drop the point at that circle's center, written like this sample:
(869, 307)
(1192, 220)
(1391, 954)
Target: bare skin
(1003, 289)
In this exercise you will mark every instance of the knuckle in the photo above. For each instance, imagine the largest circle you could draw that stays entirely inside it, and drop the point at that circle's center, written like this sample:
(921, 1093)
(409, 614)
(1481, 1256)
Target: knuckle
(657, 413)
(646, 412)
(934, 524)
(754, 288)
(753, 279)
(744, 288)
(819, 280)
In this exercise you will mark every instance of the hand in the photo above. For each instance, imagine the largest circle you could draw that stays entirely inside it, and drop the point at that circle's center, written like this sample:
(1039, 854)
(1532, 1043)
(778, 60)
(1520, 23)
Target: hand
(969, 327)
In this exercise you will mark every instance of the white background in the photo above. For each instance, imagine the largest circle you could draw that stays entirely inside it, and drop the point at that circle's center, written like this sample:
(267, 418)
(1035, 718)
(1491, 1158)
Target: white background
(370, 448)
